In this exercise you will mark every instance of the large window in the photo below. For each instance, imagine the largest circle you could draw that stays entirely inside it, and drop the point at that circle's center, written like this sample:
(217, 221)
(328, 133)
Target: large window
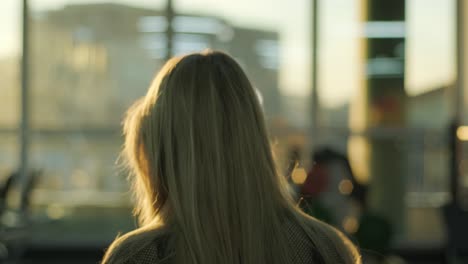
(89, 60)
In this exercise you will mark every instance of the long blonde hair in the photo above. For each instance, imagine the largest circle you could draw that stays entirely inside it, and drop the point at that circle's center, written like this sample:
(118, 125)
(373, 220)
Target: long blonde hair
(203, 167)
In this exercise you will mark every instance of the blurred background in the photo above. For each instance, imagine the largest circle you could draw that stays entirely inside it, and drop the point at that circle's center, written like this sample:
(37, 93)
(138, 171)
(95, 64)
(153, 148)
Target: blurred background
(366, 98)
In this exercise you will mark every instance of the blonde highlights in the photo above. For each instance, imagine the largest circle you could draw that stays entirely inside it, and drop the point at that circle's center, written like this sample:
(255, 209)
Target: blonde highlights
(202, 168)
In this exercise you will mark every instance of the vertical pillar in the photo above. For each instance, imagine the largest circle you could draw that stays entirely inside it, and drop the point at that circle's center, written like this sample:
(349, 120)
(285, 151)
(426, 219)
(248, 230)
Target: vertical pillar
(384, 32)
(314, 93)
(22, 181)
(170, 30)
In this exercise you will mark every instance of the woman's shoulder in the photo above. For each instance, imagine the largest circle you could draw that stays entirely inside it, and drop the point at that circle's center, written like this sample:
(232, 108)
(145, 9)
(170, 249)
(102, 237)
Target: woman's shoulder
(144, 245)
(327, 241)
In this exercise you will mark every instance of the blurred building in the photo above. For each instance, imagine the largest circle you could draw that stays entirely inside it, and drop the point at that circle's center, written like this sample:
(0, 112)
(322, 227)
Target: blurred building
(9, 67)
(430, 109)
(105, 56)
(89, 62)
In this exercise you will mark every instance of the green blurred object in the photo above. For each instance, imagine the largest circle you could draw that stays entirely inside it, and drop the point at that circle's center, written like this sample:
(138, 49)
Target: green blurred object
(374, 233)
(314, 207)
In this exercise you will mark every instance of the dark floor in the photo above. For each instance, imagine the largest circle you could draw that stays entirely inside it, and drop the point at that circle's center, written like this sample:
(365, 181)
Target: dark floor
(93, 256)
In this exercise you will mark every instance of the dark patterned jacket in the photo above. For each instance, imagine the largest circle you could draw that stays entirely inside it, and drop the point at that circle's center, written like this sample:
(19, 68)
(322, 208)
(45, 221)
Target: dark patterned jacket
(155, 251)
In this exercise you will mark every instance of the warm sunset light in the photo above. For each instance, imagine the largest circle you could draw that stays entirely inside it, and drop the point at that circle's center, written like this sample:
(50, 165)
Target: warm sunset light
(462, 133)
(345, 187)
(232, 131)
(299, 175)
(350, 224)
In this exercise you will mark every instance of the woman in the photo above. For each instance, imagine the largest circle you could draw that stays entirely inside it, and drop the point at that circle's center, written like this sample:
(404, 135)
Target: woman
(205, 180)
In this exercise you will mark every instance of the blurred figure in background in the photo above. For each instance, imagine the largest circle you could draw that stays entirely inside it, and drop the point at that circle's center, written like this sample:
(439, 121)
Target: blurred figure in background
(314, 186)
(204, 177)
(332, 194)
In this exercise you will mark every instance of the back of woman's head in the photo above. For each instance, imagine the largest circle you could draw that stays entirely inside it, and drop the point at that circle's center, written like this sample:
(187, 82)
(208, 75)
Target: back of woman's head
(203, 166)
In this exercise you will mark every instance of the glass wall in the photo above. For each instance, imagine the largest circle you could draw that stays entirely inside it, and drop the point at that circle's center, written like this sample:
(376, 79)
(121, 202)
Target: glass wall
(91, 59)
